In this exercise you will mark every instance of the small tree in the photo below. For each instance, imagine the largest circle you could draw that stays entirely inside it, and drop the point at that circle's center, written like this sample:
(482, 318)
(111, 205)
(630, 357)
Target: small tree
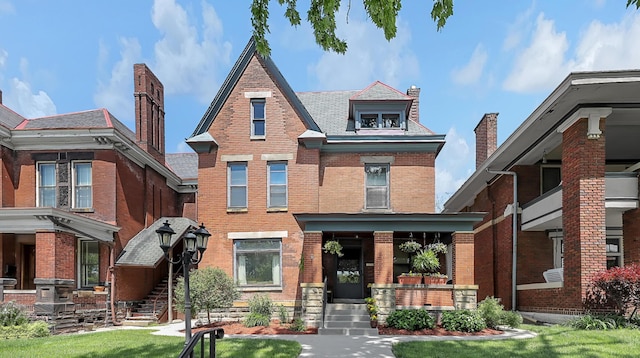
(617, 288)
(209, 288)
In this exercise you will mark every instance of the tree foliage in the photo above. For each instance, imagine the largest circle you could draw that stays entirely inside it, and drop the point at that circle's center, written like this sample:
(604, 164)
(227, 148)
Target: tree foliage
(209, 288)
(322, 17)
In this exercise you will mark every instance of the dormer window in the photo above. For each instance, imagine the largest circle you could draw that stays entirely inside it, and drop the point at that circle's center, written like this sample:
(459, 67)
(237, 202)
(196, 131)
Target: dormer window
(384, 120)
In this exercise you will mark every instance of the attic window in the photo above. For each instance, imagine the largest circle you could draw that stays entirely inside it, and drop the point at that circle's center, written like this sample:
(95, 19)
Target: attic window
(387, 120)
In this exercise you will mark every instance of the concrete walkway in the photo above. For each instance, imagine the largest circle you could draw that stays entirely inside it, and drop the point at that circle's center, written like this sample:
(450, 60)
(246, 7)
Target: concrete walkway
(314, 345)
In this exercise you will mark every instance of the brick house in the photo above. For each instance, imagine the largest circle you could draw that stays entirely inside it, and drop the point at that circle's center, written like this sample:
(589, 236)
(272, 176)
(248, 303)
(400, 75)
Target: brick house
(281, 173)
(76, 189)
(576, 170)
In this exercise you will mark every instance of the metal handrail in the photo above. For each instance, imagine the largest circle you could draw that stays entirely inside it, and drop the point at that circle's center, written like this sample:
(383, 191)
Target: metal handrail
(324, 300)
(155, 301)
(214, 333)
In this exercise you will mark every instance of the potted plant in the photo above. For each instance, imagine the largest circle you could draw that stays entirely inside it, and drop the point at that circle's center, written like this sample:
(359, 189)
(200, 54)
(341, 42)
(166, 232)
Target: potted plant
(426, 261)
(372, 309)
(333, 247)
(410, 278)
(410, 247)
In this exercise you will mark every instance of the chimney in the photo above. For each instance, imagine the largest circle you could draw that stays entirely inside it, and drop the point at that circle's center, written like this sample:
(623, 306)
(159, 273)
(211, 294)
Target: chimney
(149, 99)
(414, 112)
(486, 137)
(0, 96)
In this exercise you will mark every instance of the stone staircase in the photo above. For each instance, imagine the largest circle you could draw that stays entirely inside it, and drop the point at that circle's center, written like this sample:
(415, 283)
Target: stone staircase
(151, 309)
(347, 319)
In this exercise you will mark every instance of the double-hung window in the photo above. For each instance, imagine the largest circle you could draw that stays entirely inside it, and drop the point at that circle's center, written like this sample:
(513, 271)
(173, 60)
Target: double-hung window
(258, 262)
(82, 192)
(89, 263)
(614, 251)
(257, 117)
(377, 186)
(277, 185)
(46, 184)
(237, 185)
(386, 120)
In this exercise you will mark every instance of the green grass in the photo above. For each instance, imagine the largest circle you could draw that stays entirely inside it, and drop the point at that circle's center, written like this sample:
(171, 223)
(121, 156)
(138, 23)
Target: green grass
(557, 341)
(139, 343)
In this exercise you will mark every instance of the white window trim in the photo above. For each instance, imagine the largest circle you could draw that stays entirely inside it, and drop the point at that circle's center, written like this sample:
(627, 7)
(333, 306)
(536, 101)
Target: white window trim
(286, 185)
(615, 235)
(73, 184)
(401, 119)
(264, 102)
(274, 287)
(366, 204)
(558, 247)
(79, 263)
(246, 186)
(55, 185)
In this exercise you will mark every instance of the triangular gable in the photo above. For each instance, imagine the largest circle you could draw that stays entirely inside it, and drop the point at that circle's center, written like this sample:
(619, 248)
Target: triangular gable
(232, 79)
(379, 91)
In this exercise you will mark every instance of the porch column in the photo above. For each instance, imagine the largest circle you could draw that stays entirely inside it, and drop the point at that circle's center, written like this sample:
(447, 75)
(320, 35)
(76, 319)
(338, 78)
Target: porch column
(312, 257)
(55, 272)
(383, 260)
(463, 258)
(583, 201)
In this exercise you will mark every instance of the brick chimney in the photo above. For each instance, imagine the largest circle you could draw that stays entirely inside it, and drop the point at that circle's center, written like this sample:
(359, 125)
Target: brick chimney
(486, 137)
(149, 98)
(0, 96)
(414, 112)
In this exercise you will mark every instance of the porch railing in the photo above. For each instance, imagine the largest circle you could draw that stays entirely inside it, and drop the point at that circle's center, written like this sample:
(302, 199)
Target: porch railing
(199, 337)
(324, 300)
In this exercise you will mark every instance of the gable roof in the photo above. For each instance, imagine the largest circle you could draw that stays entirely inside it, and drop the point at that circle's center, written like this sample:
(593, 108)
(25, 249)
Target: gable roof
(232, 79)
(9, 118)
(379, 91)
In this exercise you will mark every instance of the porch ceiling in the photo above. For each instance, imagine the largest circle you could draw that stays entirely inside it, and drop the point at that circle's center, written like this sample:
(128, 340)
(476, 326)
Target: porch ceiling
(358, 222)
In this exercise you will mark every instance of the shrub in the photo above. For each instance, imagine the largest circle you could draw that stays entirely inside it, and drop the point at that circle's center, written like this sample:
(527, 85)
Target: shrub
(616, 289)
(494, 314)
(12, 314)
(282, 314)
(26, 330)
(593, 322)
(298, 325)
(209, 288)
(372, 308)
(410, 319)
(260, 310)
(463, 321)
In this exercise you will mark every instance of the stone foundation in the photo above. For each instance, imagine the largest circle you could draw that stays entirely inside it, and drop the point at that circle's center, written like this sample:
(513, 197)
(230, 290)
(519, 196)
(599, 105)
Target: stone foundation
(312, 304)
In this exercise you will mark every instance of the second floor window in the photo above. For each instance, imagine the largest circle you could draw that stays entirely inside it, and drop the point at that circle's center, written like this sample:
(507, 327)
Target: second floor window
(46, 184)
(277, 185)
(237, 185)
(380, 121)
(82, 193)
(551, 177)
(377, 186)
(257, 118)
(89, 263)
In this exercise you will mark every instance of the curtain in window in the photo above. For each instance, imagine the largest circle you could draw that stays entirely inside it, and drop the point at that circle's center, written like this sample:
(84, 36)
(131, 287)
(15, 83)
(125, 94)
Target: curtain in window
(277, 185)
(47, 187)
(276, 269)
(242, 270)
(238, 186)
(83, 185)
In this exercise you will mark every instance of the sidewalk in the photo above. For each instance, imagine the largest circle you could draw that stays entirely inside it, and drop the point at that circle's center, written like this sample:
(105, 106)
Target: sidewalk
(351, 346)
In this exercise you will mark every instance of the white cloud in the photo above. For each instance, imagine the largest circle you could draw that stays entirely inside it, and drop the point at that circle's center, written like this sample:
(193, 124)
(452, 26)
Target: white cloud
(517, 29)
(472, 71)
(3, 57)
(30, 105)
(115, 93)
(183, 147)
(6, 7)
(369, 57)
(452, 166)
(184, 63)
(542, 63)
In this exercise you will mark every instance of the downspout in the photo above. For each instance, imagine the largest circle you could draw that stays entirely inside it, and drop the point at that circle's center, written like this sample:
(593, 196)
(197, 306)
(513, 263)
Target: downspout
(112, 292)
(514, 214)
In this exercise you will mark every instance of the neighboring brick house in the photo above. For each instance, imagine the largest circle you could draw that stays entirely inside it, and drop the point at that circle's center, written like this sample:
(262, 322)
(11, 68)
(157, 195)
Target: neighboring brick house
(576, 160)
(75, 189)
(281, 173)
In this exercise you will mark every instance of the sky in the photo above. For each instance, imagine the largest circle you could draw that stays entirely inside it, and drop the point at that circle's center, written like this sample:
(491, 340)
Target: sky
(500, 56)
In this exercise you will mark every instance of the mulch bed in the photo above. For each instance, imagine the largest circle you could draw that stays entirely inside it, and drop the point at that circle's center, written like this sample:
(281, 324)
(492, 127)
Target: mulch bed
(276, 328)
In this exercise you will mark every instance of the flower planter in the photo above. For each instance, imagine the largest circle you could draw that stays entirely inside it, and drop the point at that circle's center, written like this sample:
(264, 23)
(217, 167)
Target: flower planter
(373, 323)
(409, 280)
(435, 280)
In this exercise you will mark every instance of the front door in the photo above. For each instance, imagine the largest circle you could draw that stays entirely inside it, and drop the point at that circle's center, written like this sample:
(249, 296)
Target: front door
(349, 278)
(28, 271)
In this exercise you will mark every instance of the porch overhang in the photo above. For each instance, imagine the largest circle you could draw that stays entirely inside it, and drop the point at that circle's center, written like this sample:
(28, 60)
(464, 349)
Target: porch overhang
(359, 222)
(31, 220)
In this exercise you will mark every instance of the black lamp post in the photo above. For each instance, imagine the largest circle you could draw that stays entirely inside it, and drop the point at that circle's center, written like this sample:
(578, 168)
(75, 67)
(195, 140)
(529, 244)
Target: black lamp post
(195, 242)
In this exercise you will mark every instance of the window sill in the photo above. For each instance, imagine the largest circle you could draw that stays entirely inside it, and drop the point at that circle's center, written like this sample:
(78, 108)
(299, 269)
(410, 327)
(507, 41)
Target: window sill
(259, 288)
(257, 137)
(82, 210)
(277, 210)
(237, 210)
(377, 210)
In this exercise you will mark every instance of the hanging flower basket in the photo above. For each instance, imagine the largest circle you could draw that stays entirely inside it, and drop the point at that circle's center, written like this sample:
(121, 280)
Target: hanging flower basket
(333, 247)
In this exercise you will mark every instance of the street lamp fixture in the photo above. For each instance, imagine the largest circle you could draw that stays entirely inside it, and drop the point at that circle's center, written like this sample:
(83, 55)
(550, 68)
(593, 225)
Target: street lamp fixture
(195, 243)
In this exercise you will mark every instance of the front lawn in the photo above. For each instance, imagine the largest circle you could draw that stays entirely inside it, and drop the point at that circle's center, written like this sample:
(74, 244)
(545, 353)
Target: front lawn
(139, 343)
(556, 341)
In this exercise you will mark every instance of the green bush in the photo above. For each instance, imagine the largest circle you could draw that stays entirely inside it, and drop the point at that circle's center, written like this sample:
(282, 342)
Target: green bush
(12, 314)
(256, 319)
(261, 304)
(298, 325)
(282, 314)
(601, 322)
(463, 321)
(209, 288)
(411, 319)
(494, 314)
(26, 330)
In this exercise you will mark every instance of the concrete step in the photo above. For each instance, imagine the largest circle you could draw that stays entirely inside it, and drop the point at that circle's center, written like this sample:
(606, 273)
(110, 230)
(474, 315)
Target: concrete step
(348, 331)
(345, 324)
(348, 318)
(346, 306)
(138, 322)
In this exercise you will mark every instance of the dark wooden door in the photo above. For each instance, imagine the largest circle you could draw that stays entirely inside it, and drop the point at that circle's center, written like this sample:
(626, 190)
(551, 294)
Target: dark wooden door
(349, 277)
